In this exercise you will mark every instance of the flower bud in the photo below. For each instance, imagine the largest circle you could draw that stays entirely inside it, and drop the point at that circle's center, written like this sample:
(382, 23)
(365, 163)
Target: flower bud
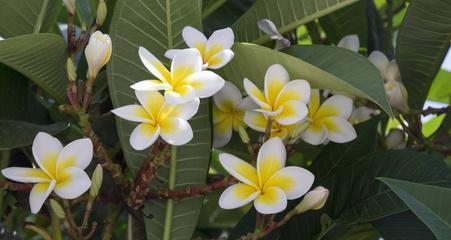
(362, 114)
(243, 134)
(70, 6)
(98, 53)
(96, 181)
(313, 200)
(101, 13)
(71, 72)
(396, 139)
(397, 94)
(270, 28)
(57, 209)
(380, 61)
(350, 42)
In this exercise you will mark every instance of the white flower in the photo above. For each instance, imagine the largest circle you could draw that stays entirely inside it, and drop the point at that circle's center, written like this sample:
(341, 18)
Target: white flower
(98, 52)
(61, 169)
(362, 114)
(329, 120)
(269, 185)
(350, 42)
(184, 82)
(283, 100)
(215, 51)
(270, 28)
(313, 200)
(396, 139)
(158, 118)
(228, 112)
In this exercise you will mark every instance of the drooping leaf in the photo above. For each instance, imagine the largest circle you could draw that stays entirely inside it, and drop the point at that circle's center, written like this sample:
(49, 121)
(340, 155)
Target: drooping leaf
(157, 26)
(286, 15)
(423, 40)
(403, 226)
(41, 58)
(430, 203)
(351, 19)
(14, 134)
(324, 67)
(356, 196)
(21, 17)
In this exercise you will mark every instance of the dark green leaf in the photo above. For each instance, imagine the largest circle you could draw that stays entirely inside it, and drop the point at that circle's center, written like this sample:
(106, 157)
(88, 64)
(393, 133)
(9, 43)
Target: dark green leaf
(225, 15)
(403, 226)
(423, 40)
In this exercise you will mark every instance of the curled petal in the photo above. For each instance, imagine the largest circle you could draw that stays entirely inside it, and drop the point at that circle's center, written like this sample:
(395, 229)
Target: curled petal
(135, 113)
(294, 90)
(255, 93)
(76, 154)
(205, 83)
(175, 131)
(294, 181)
(144, 135)
(218, 41)
(151, 85)
(182, 94)
(255, 120)
(39, 193)
(171, 53)
(339, 130)
(72, 183)
(240, 169)
(293, 112)
(220, 59)
(25, 175)
(45, 151)
(271, 200)
(237, 196)
(184, 111)
(271, 158)
(154, 65)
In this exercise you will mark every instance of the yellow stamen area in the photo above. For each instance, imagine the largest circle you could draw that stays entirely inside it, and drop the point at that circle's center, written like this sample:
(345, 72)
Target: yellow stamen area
(179, 74)
(64, 178)
(37, 173)
(49, 163)
(268, 196)
(274, 88)
(243, 191)
(248, 171)
(269, 165)
(328, 123)
(285, 183)
(163, 71)
(211, 51)
(201, 47)
(40, 188)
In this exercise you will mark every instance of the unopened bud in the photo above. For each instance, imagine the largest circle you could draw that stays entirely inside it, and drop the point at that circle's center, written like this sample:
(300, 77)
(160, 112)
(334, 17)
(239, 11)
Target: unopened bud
(97, 52)
(71, 72)
(57, 209)
(270, 28)
(313, 200)
(396, 139)
(350, 42)
(243, 134)
(96, 181)
(101, 13)
(397, 94)
(70, 6)
(362, 114)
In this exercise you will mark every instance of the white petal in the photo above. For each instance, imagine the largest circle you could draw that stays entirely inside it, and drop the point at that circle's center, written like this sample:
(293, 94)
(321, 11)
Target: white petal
(25, 175)
(153, 64)
(144, 135)
(45, 151)
(379, 60)
(392, 71)
(268, 27)
(220, 59)
(255, 93)
(350, 42)
(193, 37)
(293, 112)
(185, 63)
(271, 200)
(314, 135)
(240, 169)
(339, 130)
(135, 113)
(268, 113)
(76, 154)
(228, 97)
(74, 182)
(171, 53)
(223, 38)
(184, 111)
(337, 105)
(247, 104)
(237, 195)
(39, 194)
(294, 90)
(294, 181)
(175, 131)
(151, 101)
(271, 158)
(181, 95)
(205, 83)
(150, 85)
(255, 120)
(222, 132)
(276, 78)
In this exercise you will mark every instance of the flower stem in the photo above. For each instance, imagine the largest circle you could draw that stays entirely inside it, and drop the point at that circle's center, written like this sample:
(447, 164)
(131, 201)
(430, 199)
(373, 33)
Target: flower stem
(40, 231)
(56, 225)
(268, 130)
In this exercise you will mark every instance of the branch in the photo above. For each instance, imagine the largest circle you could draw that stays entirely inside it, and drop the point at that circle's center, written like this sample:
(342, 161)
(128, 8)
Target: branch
(193, 191)
(13, 186)
(437, 111)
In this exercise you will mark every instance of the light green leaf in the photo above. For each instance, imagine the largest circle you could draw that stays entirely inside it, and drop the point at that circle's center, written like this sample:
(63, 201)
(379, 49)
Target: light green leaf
(157, 26)
(324, 67)
(21, 17)
(41, 58)
(286, 15)
(441, 87)
(423, 40)
(15, 134)
(430, 203)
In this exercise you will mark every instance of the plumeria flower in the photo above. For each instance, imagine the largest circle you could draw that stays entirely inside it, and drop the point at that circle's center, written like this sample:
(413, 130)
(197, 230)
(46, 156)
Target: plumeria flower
(61, 169)
(394, 88)
(98, 52)
(258, 121)
(283, 100)
(158, 118)
(269, 185)
(215, 51)
(329, 120)
(350, 42)
(228, 112)
(270, 28)
(184, 82)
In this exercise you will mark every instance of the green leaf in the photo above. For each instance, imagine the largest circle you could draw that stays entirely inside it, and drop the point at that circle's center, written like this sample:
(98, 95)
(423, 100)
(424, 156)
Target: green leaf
(21, 17)
(357, 197)
(286, 15)
(348, 20)
(157, 26)
(324, 67)
(41, 58)
(423, 40)
(403, 226)
(15, 134)
(441, 87)
(225, 15)
(430, 203)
